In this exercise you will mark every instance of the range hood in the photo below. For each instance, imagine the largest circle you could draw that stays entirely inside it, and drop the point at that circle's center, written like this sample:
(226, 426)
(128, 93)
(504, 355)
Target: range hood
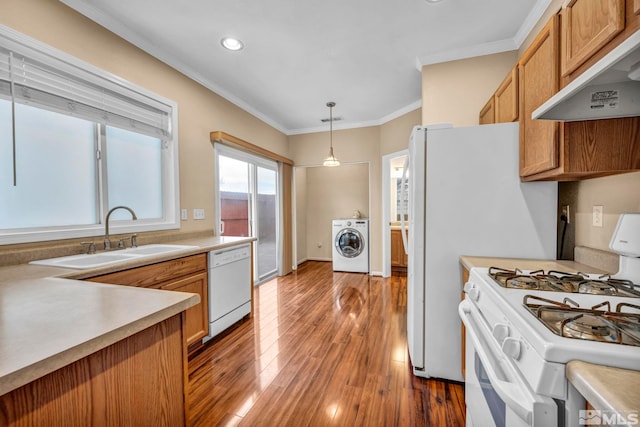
(609, 89)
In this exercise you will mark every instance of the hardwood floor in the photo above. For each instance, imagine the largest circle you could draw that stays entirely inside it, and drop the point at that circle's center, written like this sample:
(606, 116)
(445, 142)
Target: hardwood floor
(323, 349)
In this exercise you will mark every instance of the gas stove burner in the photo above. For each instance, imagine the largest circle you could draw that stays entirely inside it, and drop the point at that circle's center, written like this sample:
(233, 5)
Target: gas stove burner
(597, 287)
(522, 282)
(587, 327)
(559, 281)
(598, 323)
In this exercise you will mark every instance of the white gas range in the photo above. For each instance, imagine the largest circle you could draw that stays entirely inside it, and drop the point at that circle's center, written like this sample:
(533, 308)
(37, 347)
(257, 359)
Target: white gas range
(522, 327)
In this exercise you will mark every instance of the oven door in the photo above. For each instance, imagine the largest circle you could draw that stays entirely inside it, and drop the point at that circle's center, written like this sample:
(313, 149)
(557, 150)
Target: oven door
(495, 394)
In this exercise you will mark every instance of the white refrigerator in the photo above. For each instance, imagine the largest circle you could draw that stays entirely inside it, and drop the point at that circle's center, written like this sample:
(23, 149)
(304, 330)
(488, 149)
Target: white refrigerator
(465, 198)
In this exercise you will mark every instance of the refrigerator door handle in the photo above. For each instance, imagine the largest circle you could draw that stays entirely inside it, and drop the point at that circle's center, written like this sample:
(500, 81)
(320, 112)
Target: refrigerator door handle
(403, 226)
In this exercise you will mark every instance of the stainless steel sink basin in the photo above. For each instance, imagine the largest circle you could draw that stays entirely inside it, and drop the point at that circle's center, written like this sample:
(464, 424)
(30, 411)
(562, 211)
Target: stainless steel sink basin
(85, 261)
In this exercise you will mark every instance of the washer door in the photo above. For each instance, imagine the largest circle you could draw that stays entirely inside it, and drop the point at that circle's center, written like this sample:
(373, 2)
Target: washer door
(349, 243)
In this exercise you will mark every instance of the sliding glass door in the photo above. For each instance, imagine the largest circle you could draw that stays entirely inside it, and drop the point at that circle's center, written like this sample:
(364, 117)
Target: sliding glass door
(248, 204)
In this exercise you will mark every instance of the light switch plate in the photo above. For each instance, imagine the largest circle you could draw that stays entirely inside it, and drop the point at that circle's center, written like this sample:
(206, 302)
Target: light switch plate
(198, 214)
(184, 215)
(598, 212)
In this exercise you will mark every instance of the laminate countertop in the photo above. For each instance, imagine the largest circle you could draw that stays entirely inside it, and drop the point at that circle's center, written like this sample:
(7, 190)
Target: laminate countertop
(51, 317)
(606, 388)
(470, 262)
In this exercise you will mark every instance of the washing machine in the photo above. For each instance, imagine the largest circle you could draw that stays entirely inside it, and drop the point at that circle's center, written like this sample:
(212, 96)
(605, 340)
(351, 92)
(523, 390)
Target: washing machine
(351, 245)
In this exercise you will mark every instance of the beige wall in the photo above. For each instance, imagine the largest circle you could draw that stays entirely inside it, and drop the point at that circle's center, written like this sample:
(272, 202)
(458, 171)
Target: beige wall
(394, 135)
(361, 145)
(616, 194)
(200, 110)
(332, 193)
(455, 92)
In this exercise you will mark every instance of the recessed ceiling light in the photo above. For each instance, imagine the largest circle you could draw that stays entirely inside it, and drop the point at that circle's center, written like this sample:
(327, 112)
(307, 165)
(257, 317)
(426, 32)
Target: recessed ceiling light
(231, 43)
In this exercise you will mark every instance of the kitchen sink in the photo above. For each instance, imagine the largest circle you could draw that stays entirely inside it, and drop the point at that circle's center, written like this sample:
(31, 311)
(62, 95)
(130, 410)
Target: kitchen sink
(85, 261)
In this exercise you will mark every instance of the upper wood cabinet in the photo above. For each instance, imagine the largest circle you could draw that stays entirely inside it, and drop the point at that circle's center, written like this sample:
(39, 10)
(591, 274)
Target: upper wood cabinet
(587, 26)
(591, 29)
(488, 112)
(506, 98)
(538, 81)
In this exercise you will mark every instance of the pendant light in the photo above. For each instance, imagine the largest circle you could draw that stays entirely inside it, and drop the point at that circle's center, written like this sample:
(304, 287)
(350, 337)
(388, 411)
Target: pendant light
(331, 160)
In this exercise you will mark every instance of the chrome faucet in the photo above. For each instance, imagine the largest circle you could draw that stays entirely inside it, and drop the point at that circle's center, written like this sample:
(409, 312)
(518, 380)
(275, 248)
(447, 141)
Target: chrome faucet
(107, 241)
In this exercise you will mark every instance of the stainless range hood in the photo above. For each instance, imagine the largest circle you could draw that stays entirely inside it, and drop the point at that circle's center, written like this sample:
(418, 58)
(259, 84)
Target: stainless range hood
(609, 89)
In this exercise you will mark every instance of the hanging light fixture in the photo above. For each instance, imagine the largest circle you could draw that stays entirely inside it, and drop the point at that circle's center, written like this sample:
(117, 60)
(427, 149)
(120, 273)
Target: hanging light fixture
(331, 160)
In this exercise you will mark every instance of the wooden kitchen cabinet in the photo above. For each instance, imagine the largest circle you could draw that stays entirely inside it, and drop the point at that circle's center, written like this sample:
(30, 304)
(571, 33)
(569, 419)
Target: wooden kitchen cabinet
(197, 317)
(506, 98)
(488, 112)
(138, 381)
(538, 81)
(587, 27)
(399, 257)
(591, 29)
(188, 274)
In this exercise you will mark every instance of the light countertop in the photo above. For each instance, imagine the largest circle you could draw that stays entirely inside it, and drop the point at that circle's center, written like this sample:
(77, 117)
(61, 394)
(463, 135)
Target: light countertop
(606, 388)
(50, 318)
(526, 264)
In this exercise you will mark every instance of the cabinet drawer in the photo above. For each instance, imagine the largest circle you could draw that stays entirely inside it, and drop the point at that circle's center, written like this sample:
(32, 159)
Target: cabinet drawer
(152, 276)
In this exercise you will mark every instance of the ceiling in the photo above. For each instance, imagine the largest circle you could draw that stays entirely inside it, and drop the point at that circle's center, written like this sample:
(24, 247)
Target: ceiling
(365, 55)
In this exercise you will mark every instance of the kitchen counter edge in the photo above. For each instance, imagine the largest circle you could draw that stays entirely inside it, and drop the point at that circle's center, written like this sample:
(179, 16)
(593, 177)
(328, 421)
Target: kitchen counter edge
(606, 388)
(56, 280)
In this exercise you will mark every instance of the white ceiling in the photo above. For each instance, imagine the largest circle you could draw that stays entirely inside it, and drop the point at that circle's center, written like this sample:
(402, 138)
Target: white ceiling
(363, 54)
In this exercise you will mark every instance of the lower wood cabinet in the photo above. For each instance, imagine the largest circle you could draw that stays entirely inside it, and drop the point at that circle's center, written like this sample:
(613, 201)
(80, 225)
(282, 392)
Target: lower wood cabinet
(399, 257)
(188, 274)
(138, 381)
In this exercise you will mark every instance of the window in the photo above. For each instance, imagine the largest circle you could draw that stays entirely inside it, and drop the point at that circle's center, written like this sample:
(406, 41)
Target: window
(75, 142)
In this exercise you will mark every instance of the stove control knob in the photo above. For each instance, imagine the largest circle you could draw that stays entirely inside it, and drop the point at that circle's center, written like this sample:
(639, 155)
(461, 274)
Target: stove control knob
(500, 332)
(512, 347)
(472, 291)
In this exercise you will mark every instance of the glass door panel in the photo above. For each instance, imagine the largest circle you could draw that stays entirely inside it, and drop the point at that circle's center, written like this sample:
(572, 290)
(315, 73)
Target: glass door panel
(266, 222)
(234, 195)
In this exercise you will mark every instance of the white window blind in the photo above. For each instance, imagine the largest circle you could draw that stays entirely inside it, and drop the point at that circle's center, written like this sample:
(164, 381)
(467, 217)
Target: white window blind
(46, 80)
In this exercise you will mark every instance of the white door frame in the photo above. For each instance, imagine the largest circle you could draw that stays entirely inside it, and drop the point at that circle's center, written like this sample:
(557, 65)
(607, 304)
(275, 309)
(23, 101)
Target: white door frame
(386, 214)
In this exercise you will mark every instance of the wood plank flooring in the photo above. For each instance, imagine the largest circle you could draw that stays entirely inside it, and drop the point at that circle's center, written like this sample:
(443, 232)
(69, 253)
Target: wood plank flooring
(323, 349)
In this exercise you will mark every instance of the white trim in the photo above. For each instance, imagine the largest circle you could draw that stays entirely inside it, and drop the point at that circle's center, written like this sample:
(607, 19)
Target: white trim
(490, 48)
(530, 22)
(386, 214)
(353, 125)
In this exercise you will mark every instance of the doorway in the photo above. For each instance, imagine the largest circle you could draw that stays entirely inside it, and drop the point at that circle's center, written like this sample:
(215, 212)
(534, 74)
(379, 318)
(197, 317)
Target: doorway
(392, 201)
(247, 204)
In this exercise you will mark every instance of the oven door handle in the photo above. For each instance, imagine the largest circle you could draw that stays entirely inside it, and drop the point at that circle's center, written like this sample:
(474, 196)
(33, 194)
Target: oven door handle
(510, 390)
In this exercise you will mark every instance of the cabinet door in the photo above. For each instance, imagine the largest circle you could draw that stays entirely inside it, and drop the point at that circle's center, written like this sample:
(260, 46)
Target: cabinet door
(538, 81)
(636, 7)
(197, 323)
(587, 26)
(487, 114)
(506, 98)
(396, 248)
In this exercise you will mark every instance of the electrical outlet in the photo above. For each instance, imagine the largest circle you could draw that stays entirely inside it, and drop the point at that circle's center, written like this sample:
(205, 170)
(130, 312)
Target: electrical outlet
(198, 214)
(183, 215)
(566, 213)
(598, 213)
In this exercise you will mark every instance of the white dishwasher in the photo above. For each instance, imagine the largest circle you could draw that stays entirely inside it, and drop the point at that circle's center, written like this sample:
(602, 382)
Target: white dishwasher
(230, 287)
